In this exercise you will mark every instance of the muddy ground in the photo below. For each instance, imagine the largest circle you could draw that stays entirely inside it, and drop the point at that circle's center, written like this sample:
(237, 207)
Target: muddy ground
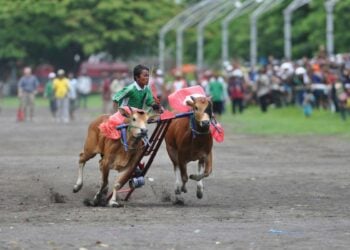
(265, 193)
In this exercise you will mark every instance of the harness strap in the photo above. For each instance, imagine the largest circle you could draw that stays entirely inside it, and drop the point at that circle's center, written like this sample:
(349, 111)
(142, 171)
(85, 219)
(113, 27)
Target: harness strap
(194, 131)
(123, 138)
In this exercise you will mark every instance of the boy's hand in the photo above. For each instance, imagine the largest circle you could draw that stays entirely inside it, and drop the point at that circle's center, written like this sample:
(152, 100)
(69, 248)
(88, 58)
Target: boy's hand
(157, 108)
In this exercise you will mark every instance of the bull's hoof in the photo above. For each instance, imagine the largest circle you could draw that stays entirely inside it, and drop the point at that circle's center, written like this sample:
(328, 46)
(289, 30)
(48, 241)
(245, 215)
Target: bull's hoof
(179, 201)
(199, 194)
(115, 204)
(76, 188)
(195, 177)
(90, 203)
(177, 191)
(184, 189)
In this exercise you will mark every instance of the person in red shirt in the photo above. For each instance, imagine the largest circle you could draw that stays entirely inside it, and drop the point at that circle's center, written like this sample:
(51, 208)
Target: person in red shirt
(106, 93)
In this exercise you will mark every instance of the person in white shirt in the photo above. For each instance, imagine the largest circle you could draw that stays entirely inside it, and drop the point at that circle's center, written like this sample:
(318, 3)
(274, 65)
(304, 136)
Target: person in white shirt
(72, 95)
(84, 88)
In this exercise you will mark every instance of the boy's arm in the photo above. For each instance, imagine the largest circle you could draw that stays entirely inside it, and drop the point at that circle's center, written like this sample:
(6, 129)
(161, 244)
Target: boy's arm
(120, 95)
(151, 102)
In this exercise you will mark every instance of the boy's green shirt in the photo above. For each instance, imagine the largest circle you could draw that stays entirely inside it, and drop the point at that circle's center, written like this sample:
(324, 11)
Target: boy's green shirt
(134, 96)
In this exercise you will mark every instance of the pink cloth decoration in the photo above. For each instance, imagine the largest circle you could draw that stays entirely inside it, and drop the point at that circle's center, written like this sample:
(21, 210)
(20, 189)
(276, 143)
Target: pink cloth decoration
(167, 115)
(177, 99)
(217, 132)
(108, 128)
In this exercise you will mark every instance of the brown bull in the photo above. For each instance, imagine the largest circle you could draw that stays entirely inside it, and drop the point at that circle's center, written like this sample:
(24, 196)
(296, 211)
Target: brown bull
(189, 139)
(113, 154)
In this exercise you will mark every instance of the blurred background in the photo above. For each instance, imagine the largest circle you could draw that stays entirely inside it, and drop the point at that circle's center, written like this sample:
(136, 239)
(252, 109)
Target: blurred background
(252, 56)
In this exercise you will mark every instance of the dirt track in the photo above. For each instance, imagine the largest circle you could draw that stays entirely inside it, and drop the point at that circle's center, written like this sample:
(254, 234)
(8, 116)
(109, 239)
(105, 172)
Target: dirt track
(264, 193)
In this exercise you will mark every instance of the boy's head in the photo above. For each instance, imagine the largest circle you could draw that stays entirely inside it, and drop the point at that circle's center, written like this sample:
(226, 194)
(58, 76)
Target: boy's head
(141, 75)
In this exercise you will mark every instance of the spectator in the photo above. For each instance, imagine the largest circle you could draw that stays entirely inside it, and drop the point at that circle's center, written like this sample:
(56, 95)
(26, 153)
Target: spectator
(50, 95)
(179, 82)
(308, 100)
(117, 84)
(263, 86)
(27, 89)
(236, 90)
(106, 93)
(158, 88)
(84, 88)
(319, 86)
(299, 81)
(205, 79)
(217, 93)
(344, 101)
(61, 89)
(72, 95)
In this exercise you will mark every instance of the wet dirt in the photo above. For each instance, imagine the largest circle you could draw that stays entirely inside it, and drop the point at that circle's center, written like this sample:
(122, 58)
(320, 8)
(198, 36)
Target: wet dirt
(265, 192)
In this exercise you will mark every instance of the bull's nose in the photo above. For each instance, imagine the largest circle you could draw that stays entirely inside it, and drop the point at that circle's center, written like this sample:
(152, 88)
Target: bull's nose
(205, 123)
(144, 131)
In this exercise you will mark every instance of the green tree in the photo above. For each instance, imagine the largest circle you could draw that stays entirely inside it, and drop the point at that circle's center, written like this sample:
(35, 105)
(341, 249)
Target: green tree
(54, 31)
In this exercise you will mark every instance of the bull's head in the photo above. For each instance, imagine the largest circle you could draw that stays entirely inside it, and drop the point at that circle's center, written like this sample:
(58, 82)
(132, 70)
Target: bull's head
(202, 109)
(137, 120)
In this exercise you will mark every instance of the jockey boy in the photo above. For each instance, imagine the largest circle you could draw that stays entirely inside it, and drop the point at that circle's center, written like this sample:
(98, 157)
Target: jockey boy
(138, 94)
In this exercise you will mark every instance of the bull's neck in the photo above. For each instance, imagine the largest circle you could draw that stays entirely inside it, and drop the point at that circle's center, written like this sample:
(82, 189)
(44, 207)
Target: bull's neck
(131, 143)
(197, 130)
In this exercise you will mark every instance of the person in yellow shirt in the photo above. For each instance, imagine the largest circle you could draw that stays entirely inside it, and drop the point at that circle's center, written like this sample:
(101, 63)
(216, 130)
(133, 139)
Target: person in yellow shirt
(61, 89)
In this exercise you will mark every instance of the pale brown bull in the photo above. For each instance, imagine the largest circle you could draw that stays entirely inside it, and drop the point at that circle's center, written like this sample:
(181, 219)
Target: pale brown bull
(113, 154)
(189, 139)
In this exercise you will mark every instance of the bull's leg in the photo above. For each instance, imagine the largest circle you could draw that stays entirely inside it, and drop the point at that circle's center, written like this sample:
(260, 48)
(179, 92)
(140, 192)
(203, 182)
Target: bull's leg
(172, 152)
(177, 180)
(207, 169)
(83, 158)
(184, 177)
(79, 184)
(117, 185)
(104, 184)
(179, 200)
(180, 174)
(200, 183)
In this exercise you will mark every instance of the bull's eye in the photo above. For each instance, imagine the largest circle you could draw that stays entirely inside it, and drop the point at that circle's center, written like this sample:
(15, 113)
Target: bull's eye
(133, 119)
(196, 108)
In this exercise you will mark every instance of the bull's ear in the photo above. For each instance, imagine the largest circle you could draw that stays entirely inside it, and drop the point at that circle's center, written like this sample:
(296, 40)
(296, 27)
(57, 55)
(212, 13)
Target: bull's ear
(124, 112)
(209, 98)
(190, 102)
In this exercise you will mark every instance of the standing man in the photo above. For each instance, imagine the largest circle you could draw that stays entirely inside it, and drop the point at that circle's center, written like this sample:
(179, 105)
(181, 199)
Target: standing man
(84, 88)
(158, 88)
(263, 85)
(106, 93)
(27, 89)
(50, 94)
(217, 93)
(61, 89)
(72, 95)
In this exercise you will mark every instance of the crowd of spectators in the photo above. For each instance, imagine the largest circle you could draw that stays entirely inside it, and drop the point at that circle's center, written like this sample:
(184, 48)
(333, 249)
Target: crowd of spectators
(318, 83)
